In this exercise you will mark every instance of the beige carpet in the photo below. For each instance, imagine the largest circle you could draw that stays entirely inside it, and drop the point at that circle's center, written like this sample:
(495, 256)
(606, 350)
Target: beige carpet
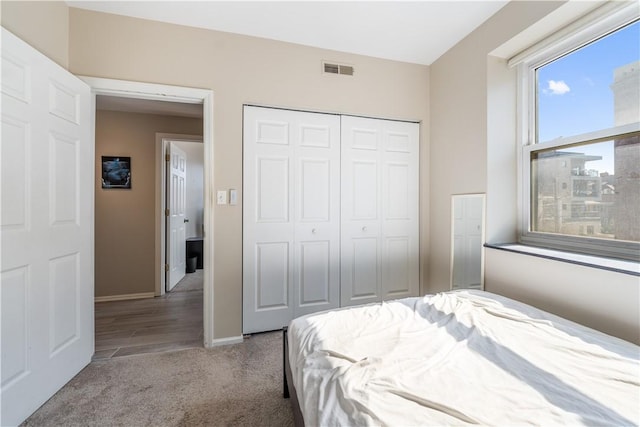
(234, 385)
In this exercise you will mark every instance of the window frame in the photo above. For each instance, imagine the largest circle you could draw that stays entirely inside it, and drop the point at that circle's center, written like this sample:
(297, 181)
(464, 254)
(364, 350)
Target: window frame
(586, 30)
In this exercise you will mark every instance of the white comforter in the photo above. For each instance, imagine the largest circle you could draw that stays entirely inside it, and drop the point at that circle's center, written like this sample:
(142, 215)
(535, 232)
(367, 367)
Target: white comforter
(457, 358)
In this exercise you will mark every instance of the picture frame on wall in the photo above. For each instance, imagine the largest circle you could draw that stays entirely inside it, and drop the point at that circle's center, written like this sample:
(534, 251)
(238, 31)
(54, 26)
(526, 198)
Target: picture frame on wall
(116, 172)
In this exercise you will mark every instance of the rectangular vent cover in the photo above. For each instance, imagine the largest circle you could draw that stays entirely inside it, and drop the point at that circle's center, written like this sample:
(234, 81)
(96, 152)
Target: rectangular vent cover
(346, 70)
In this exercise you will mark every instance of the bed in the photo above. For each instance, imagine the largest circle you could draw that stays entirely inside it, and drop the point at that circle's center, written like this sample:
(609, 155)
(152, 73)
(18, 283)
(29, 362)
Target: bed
(453, 358)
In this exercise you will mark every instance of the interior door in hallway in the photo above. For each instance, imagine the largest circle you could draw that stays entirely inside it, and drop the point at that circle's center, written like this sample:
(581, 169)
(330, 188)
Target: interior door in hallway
(176, 207)
(47, 179)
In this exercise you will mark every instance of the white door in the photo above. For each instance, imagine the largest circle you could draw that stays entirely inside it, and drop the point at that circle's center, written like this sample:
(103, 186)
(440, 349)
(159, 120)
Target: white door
(361, 275)
(380, 224)
(46, 286)
(316, 201)
(291, 214)
(176, 206)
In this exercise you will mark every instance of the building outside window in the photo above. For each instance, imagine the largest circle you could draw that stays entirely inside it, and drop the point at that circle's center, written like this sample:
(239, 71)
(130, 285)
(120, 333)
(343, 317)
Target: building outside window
(581, 163)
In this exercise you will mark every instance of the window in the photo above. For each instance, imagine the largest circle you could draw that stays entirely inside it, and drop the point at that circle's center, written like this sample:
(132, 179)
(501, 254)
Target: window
(581, 154)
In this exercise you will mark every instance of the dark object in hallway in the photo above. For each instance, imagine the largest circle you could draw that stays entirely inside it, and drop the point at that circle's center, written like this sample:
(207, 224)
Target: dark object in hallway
(194, 249)
(191, 264)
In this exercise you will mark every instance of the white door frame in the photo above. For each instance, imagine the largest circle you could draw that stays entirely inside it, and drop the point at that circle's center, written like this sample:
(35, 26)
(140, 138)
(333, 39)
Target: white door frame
(139, 90)
(162, 140)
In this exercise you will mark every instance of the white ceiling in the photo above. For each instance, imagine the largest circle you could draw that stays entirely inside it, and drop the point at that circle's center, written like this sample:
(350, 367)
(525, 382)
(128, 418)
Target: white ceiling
(409, 31)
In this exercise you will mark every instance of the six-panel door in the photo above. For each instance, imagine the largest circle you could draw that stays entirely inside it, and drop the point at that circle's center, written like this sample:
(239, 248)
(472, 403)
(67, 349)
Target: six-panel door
(291, 216)
(379, 210)
(330, 213)
(46, 282)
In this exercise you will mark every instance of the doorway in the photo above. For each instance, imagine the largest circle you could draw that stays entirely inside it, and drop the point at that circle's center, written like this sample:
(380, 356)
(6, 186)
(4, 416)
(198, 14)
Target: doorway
(203, 98)
(180, 159)
(126, 129)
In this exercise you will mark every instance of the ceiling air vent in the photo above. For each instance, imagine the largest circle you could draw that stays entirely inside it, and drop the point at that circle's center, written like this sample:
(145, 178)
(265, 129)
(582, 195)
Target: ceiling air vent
(346, 70)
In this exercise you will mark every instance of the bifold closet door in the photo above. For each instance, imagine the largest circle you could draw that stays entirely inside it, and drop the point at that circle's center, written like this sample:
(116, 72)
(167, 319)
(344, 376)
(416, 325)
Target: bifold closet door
(379, 210)
(291, 216)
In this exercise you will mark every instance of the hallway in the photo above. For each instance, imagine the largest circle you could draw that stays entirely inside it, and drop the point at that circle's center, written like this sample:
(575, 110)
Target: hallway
(171, 322)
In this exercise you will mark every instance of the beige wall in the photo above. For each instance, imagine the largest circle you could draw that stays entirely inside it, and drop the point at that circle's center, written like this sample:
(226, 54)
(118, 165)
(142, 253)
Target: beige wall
(125, 219)
(241, 70)
(473, 149)
(458, 133)
(600, 299)
(42, 24)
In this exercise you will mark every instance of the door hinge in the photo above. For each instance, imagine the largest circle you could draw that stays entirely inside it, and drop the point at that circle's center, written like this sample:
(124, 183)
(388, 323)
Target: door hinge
(166, 267)
(167, 157)
(166, 212)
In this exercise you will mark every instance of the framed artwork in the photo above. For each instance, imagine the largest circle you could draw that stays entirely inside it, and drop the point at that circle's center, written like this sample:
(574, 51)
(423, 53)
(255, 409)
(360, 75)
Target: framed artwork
(116, 172)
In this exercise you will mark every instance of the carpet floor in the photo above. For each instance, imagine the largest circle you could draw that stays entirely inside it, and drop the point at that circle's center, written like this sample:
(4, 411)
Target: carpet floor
(233, 385)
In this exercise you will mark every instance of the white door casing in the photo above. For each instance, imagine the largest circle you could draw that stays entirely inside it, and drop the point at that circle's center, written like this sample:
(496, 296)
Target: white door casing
(379, 210)
(46, 286)
(177, 206)
(291, 214)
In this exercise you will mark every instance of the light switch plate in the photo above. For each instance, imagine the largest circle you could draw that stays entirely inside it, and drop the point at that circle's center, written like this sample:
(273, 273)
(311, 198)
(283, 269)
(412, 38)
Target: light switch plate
(233, 197)
(222, 197)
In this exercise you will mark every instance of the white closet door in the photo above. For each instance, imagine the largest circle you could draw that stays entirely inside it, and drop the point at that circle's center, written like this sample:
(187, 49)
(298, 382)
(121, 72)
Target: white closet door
(317, 213)
(400, 221)
(47, 179)
(361, 273)
(291, 216)
(379, 234)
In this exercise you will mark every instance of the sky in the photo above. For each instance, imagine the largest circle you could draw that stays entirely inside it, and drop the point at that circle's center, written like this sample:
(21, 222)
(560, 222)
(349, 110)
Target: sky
(574, 94)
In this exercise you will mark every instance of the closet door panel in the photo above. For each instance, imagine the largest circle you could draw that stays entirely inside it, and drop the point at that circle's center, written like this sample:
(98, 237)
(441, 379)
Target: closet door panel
(400, 221)
(360, 278)
(316, 283)
(268, 227)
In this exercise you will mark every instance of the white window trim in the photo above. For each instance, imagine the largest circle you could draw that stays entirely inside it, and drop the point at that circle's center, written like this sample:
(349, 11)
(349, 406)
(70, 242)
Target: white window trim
(606, 19)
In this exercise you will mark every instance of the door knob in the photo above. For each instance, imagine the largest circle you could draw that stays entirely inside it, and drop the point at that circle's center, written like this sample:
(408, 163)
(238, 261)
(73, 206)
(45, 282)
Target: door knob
(313, 231)
(364, 228)
(186, 220)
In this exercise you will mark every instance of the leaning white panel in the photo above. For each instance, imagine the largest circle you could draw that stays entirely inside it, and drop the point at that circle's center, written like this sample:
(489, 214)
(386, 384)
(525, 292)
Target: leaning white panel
(63, 179)
(14, 294)
(14, 174)
(63, 292)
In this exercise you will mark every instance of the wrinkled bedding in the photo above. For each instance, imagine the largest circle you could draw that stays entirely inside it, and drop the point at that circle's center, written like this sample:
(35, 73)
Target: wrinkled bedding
(455, 358)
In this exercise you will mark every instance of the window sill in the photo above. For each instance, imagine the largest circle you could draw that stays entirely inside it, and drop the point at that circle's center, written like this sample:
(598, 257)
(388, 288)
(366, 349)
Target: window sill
(617, 265)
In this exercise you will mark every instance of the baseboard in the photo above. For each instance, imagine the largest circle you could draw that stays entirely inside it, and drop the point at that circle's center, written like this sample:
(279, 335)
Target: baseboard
(225, 341)
(124, 297)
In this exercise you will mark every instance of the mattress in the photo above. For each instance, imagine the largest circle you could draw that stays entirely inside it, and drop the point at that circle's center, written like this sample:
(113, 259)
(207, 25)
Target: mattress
(454, 358)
